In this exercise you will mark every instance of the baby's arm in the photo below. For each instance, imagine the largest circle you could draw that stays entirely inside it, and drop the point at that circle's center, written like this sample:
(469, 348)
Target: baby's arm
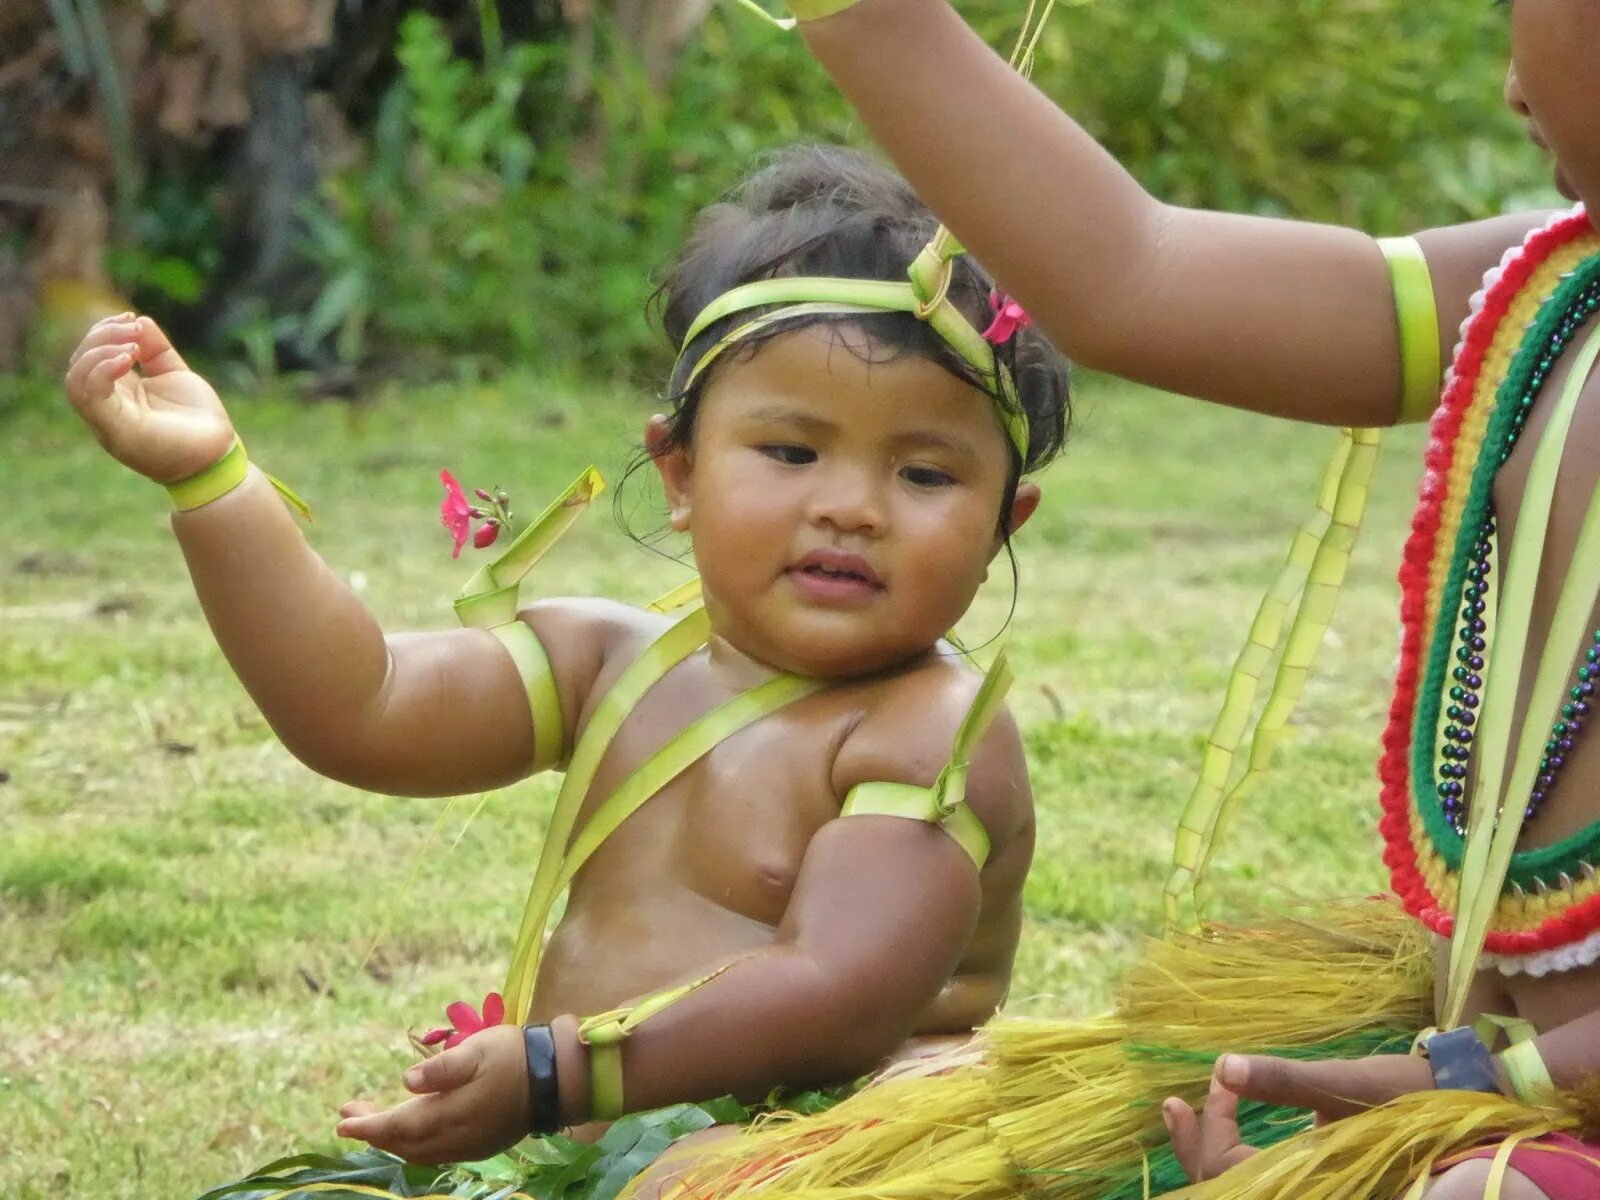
(1278, 316)
(425, 714)
(881, 917)
(882, 914)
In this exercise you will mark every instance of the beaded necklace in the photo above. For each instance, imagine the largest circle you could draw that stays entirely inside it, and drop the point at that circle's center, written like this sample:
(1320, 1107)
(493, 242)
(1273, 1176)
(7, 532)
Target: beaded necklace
(1465, 692)
(1528, 312)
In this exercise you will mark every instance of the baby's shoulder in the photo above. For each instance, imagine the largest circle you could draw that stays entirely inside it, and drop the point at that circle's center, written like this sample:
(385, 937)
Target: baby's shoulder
(589, 639)
(907, 730)
(1459, 255)
(606, 622)
(929, 699)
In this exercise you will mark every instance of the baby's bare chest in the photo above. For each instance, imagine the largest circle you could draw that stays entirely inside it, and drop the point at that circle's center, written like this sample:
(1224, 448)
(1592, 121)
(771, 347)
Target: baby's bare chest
(734, 825)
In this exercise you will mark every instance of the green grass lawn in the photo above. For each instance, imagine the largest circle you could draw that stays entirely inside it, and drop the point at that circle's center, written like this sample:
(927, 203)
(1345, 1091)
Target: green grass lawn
(185, 911)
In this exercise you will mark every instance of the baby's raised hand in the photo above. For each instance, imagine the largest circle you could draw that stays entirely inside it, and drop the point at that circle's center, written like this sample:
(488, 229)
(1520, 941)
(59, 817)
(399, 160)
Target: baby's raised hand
(470, 1103)
(145, 406)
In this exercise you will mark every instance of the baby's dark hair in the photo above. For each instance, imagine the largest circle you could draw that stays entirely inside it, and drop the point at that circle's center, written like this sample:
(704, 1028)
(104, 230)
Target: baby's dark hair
(825, 211)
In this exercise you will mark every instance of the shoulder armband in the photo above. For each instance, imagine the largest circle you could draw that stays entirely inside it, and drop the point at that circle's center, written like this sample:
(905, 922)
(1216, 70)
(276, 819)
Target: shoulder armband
(544, 700)
(921, 804)
(803, 10)
(945, 803)
(489, 601)
(1418, 315)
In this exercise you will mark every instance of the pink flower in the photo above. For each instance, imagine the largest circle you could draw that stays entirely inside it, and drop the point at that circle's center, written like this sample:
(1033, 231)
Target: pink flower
(488, 533)
(455, 514)
(1009, 319)
(466, 1021)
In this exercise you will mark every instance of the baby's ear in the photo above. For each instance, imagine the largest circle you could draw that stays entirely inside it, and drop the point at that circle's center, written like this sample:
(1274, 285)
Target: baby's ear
(1022, 509)
(672, 463)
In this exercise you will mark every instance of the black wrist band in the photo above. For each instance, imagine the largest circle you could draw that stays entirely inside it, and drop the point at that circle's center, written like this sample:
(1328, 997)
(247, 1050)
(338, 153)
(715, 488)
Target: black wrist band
(544, 1094)
(1461, 1062)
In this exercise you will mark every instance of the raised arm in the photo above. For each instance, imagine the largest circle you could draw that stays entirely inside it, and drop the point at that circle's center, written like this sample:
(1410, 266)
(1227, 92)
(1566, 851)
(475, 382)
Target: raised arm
(1277, 316)
(423, 714)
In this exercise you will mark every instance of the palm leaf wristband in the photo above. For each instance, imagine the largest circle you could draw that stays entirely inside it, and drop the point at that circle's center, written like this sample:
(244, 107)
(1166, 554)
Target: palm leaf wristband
(222, 477)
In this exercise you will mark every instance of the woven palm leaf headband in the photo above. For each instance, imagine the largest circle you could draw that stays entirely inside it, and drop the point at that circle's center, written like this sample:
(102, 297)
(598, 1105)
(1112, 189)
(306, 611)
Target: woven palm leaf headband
(926, 296)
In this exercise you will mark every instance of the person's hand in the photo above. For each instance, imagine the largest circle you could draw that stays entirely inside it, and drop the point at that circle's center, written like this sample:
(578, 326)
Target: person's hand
(469, 1103)
(1208, 1143)
(148, 410)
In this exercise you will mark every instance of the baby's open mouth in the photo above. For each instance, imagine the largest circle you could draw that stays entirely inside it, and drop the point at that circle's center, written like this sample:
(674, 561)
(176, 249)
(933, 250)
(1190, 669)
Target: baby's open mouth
(841, 566)
(829, 573)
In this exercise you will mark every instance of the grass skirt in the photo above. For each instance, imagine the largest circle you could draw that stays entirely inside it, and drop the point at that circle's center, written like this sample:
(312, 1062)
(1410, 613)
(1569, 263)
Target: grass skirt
(1069, 1110)
(1072, 1109)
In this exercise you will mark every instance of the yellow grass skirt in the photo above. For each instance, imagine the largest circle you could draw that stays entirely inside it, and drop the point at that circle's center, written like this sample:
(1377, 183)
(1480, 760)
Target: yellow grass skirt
(1072, 1109)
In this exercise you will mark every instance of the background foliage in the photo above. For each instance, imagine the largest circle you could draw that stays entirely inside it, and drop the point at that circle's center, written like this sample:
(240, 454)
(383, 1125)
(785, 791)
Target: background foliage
(185, 913)
(463, 226)
(1388, 116)
(510, 192)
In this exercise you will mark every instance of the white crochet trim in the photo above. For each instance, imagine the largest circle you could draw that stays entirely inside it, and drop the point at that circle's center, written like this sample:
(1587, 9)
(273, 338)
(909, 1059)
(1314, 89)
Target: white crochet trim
(1547, 962)
(1492, 277)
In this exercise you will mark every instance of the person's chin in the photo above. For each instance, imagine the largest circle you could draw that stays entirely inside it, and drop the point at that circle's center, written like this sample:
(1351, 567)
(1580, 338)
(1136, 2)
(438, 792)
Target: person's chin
(839, 650)
(1565, 186)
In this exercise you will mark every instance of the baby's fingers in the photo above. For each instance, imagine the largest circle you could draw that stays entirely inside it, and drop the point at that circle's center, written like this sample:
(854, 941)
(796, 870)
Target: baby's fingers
(119, 328)
(1207, 1144)
(91, 379)
(410, 1131)
(1183, 1126)
(377, 1127)
(156, 354)
(451, 1070)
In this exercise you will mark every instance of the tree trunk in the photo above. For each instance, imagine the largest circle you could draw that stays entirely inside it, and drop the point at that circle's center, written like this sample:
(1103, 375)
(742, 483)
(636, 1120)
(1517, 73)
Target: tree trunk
(277, 174)
(658, 30)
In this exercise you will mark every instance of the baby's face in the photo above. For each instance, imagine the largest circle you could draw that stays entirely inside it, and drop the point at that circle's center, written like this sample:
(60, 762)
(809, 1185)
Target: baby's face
(1555, 85)
(843, 512)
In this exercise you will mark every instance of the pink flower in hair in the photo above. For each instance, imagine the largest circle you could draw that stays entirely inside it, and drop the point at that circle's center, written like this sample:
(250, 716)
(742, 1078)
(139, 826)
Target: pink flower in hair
(466, 1021)
(455, 514)
(1010, 318)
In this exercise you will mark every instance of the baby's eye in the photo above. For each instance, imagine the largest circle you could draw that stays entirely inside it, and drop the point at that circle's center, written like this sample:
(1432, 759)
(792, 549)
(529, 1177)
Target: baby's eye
(790, 455)
(926, 477)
